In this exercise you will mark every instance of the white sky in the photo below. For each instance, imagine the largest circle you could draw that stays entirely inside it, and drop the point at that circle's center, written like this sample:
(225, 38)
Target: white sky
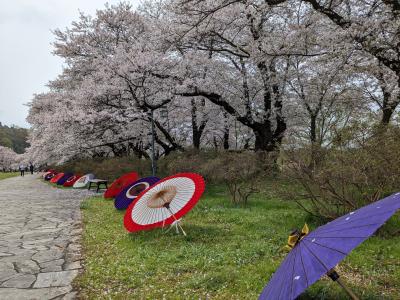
(26, 62)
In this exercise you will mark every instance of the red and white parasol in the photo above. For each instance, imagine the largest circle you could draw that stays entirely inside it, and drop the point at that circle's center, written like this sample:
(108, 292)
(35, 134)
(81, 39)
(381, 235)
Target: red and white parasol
(165, 202)
(71, 180)
(83, 181)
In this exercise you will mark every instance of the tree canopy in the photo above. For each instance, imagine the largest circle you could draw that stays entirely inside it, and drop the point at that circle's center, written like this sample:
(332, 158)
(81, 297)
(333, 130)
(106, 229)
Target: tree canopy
(218, 74)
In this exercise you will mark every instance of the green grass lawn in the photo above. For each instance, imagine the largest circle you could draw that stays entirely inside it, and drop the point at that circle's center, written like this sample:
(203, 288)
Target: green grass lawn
(8, 175)
(230, 253)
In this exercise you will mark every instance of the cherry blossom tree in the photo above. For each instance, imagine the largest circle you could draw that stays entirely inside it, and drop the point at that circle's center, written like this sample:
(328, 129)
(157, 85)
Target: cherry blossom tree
(8, 158)
(371, 27)
(215, 74)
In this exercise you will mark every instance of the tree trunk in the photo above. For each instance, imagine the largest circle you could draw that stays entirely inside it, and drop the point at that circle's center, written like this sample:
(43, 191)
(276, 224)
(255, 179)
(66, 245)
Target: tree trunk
(226, 139)
(197, 130)
(388, 107)
(313, 128)
(196, 139)
(315, 155)
(267, 138)
(263, 139)
(387, 113)
(226, 132)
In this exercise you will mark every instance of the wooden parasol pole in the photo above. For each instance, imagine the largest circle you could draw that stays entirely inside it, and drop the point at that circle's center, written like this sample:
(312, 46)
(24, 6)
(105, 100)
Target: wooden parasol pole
(335, 277)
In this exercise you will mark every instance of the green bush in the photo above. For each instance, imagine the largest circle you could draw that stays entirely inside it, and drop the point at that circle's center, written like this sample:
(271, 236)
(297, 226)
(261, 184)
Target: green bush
(108, 168)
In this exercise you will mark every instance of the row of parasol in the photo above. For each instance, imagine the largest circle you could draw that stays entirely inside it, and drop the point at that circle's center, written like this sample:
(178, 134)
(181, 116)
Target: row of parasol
(151, 202)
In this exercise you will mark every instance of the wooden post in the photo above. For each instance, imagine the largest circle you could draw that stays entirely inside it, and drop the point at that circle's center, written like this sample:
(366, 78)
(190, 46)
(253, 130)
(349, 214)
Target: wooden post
(335, 277)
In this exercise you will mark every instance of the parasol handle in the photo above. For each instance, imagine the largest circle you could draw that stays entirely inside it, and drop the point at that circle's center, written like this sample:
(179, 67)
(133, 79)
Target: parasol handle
(177, 221)
(335, 277)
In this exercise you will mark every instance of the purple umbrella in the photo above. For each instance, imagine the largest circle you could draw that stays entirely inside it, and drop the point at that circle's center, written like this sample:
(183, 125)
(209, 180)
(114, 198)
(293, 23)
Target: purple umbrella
(318, 252)
(128, 194)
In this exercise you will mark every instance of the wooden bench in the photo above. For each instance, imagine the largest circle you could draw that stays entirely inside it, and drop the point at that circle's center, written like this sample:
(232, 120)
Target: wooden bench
(98, 182)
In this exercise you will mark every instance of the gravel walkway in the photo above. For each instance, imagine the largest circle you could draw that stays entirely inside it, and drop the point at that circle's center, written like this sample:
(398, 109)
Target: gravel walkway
(39, 239)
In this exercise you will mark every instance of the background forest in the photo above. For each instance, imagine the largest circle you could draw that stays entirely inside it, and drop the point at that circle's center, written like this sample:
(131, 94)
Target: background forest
(14, 138)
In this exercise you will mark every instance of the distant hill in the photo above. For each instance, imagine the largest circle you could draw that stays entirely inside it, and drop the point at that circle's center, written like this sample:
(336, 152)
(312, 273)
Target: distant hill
(14, 137)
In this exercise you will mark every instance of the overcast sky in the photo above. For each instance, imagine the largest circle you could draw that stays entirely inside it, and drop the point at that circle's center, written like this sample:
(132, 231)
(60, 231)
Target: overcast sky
(26, 62)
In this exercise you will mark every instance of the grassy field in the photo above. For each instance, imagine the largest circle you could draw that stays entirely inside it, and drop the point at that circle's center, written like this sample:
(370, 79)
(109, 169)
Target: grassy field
(230, 253)
(8, 175)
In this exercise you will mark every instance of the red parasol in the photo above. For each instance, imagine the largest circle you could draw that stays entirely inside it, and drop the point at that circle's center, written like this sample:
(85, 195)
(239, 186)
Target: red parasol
(118, 185)
(71, 180)
(57, 178)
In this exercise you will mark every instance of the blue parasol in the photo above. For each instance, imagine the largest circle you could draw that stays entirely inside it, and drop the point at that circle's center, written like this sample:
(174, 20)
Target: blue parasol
(318, 252)
(130, 193)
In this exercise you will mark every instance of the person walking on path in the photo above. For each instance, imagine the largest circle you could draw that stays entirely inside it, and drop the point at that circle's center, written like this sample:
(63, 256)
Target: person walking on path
(22, 169)
(31, 168)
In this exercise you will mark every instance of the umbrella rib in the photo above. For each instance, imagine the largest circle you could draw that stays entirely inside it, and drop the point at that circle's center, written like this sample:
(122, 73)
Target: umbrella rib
(182, 202)
(282, 281)
(291, 277)
(336, 222)
(134, 214)
(313, 254)
(152, 216)
(145, 215)
(167, 213)
(341, 252)
(181, 199)
(275, 276)
(341, 237)
(164, 214)
(302, 263)
(148, 216)
(346, 228)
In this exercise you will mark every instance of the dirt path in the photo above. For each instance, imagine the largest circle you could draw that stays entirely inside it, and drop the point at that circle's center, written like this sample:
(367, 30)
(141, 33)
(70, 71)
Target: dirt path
(39, 239)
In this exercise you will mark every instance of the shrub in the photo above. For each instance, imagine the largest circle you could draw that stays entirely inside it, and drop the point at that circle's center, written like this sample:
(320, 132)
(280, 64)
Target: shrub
(108, 168)
(187, 161)
(361, 167)
(241, 172)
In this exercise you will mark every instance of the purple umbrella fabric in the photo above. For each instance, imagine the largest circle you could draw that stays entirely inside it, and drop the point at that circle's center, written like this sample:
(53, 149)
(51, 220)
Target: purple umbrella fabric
(129, 194)
(63, 179)
(322, 249)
